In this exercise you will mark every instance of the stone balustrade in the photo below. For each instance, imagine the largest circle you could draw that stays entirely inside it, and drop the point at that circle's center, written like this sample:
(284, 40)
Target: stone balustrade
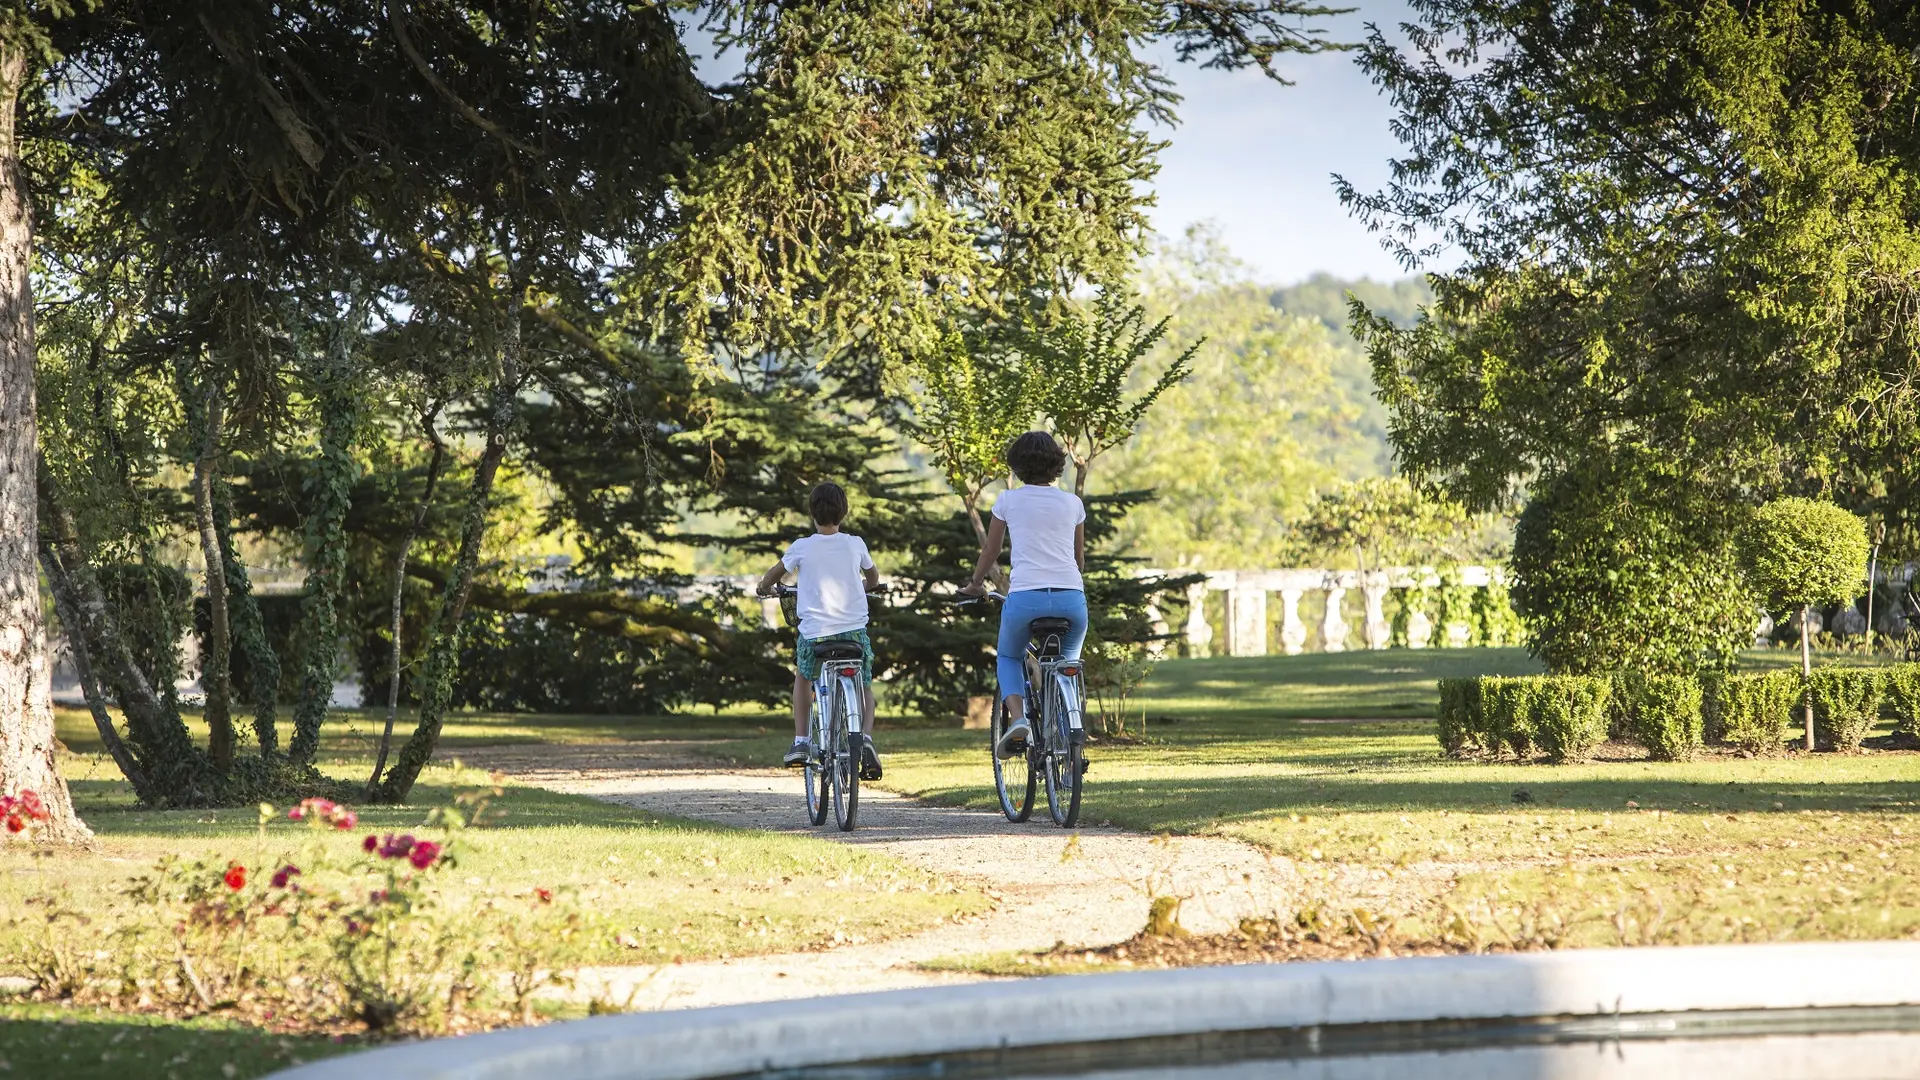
(1248, 614)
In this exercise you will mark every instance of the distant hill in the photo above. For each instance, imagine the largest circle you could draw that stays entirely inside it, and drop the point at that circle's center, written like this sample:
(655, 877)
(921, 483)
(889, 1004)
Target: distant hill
(1324, 297)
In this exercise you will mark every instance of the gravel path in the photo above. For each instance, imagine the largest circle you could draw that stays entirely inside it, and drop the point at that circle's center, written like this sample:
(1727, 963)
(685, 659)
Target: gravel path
(1047, 887)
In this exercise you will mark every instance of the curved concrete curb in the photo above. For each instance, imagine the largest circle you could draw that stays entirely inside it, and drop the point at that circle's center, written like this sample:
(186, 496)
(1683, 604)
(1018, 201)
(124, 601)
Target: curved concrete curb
(697, 1043)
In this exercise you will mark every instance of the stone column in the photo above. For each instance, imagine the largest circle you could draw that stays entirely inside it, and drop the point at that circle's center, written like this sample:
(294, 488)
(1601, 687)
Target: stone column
(1333, 628)
(1379, 630)
(1419, 630)
(1199, 634)
(1247, 621)
(1293, 632)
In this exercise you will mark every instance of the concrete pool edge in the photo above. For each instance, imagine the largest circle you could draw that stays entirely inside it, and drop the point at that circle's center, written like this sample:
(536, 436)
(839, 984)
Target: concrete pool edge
(696, 1043)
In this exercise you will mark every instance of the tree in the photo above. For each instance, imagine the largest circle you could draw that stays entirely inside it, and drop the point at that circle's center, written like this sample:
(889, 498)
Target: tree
(1083, 363)
(1272, 412)
(1386, 521)
(1683, 228)
(975, 401)
(1801, 552)
(27, 748)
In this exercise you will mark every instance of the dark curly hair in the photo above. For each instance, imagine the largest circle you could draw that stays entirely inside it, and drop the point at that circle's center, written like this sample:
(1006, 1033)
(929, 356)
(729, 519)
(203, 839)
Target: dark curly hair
(1036, 458)
(827, 504)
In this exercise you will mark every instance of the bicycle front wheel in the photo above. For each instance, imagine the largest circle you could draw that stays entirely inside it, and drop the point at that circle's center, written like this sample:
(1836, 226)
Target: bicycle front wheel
(1066, 751)
(1013, 778)
(845, 762)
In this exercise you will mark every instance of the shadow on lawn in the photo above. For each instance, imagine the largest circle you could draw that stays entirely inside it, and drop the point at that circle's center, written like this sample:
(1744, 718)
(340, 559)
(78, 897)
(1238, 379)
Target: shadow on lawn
(51, 1042)
(1188, 805)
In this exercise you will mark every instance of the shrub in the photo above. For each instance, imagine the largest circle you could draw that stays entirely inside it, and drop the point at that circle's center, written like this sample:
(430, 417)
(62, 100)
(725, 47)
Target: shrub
(1617, 566)
(1623, 703)
(1568, 715)
(1846, 705)
(1802, 552)
(1668, 719)
(1115, 671)
(1903, 696)
(1460, 723)
(1750, 711)
(1506, 705)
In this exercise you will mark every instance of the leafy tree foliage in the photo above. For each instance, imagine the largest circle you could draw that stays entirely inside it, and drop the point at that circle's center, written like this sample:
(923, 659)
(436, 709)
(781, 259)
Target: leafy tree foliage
(1685, 229)
(1802, 552)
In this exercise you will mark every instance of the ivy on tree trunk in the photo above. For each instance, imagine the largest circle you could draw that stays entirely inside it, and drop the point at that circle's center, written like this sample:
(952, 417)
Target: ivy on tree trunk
(427, 421)
(326, 546)
(216, 657)
(443, 649)
(249, 630)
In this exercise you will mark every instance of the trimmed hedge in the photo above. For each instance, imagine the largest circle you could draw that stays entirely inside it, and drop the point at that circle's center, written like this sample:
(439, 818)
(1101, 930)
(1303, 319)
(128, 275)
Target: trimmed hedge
(1568, 715)
(1667, 720)
(1459, 724)
(1903, 697)
(1750, 711)
(1846, 705)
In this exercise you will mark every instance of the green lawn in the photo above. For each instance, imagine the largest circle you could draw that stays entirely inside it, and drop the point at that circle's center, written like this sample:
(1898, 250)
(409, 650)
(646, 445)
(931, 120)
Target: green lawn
(52, 1041)
(1794, 846)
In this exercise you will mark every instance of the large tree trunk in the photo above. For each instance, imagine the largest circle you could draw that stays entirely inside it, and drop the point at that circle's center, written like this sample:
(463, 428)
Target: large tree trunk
(82, 653)
(215, 659)
(173, 765)
(326, 549)
(400, 589)
(443, 651)
(27, 753)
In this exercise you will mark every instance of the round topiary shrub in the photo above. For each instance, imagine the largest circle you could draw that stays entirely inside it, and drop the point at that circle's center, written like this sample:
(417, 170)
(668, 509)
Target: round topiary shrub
(1802, 552)
(1617, 566)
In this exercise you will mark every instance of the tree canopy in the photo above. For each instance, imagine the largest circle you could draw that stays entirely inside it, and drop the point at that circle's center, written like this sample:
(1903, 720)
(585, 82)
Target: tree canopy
(1687, 229)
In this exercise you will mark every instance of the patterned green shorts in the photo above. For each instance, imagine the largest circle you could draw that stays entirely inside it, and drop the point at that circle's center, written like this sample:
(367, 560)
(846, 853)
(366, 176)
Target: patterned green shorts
(809, 664)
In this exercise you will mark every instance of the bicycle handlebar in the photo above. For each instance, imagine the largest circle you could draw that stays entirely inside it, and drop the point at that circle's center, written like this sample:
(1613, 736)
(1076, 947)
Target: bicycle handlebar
(783, 592)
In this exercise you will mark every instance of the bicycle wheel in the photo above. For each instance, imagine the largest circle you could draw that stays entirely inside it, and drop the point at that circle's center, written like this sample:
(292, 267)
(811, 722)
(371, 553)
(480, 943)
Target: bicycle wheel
(816, 766)
(1066, 751)
(845, 762)
(1013, 778)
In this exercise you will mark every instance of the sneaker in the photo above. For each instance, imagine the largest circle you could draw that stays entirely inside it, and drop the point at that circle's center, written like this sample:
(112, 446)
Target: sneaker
(869, 759)
(796, 754)
(1014, 742)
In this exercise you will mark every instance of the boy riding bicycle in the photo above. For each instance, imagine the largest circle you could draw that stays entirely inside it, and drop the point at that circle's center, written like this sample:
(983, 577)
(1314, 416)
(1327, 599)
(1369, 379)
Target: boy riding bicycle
(833, 573)
(1048, 530)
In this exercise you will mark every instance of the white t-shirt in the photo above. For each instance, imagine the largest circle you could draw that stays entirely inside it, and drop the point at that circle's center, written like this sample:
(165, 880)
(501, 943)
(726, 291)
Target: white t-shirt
(832, 595)
(1040, 522)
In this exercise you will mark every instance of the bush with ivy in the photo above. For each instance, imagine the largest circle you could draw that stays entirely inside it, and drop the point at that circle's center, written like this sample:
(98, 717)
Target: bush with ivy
(1667, 719)
(1616, 565)
(1749, 710)
(1846, 705)
(1903, 697)
(1495, 622)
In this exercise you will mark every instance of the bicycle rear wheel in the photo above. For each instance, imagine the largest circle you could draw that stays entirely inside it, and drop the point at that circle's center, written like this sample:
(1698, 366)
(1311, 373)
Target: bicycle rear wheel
(1066, 751)
(1013, 778)
(845, 762)
(817, 780)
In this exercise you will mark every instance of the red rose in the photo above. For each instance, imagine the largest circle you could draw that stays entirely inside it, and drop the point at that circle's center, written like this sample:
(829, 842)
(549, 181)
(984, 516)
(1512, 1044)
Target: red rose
(423, 853)
(545, 895)
(284, 875)
(16, 824)
(396, 847)
(371, 843)
(235, 877)
(345, 819)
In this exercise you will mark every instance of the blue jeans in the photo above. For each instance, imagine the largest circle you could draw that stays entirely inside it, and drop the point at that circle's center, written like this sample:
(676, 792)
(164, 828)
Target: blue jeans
(1021, 609)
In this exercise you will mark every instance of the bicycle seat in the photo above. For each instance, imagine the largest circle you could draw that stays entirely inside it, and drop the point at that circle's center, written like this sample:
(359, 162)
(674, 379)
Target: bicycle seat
(1043, 627)
(837, 650)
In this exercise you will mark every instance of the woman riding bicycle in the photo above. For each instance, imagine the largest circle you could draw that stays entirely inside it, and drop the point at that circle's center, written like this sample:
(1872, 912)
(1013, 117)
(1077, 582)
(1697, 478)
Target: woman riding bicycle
(1049, 533)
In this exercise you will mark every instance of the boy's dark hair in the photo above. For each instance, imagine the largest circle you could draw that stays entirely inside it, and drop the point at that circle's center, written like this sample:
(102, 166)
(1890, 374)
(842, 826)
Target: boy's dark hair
(1036, 458)
(827, 504)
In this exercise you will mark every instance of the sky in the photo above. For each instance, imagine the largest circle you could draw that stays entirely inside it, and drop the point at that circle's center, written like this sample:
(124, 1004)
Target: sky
(1256, 158)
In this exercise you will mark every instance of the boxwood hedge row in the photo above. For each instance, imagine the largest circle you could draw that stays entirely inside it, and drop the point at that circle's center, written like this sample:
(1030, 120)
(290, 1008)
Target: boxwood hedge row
(1564, 717)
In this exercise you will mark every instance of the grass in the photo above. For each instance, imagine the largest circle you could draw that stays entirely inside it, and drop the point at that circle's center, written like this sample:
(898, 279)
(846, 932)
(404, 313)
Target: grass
(1721, 848)
(85, 1044)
